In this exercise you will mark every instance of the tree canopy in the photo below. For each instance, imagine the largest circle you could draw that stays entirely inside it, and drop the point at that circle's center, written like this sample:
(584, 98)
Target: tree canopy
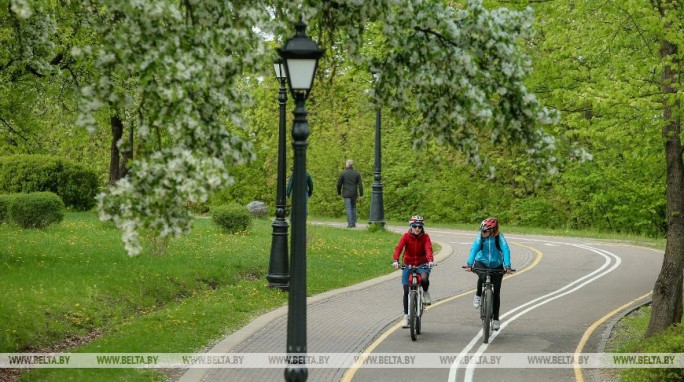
(175, 69)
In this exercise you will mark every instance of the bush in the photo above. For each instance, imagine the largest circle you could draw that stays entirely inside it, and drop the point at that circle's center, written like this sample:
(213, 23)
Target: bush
(4, 207)
(232, 217)
(36, 210)
(197, 208)
(75, 184)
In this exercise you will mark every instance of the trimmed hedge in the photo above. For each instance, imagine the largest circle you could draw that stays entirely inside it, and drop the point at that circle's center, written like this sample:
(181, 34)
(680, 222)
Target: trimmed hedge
(232, 217)
(74, 183)
(36, 210)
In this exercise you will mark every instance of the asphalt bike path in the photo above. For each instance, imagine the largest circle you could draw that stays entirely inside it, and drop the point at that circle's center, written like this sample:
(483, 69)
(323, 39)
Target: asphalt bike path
(562, 302)
(553, 304)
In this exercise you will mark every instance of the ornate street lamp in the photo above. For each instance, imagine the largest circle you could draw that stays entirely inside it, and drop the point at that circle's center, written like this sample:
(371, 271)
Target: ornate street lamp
(377, 210)
(301, 55)
(278, 274)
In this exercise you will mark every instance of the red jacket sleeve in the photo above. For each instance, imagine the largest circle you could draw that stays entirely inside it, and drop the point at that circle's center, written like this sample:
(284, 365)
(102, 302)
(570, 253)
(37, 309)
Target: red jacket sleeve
(428, 248)
(400, 247)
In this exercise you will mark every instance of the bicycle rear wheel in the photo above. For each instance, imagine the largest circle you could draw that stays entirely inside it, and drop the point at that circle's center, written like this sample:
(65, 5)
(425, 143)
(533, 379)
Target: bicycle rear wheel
(488, 304)
(413, 314)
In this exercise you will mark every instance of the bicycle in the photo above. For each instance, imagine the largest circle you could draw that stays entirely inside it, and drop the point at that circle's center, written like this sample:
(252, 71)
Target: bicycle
(487, 299)
(415, 299)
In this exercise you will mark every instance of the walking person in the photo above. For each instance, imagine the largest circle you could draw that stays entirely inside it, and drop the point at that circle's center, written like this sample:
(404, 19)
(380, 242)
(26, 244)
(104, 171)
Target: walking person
(350, 187)
(490, 250)
(309, 189)
(417, 248)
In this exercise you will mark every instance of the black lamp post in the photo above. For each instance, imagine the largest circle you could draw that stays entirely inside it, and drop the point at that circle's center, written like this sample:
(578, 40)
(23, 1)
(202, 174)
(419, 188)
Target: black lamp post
(301, 55)
(377, 210)
(278, 274)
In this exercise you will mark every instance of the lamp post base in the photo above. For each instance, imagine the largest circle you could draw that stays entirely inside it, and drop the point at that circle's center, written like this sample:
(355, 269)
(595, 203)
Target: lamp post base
(296, 374)
(278, 275)
(377, 210)
(281, 282)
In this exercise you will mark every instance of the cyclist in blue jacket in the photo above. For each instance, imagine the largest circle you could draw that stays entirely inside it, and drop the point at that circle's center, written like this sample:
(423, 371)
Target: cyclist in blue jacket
(490, 250)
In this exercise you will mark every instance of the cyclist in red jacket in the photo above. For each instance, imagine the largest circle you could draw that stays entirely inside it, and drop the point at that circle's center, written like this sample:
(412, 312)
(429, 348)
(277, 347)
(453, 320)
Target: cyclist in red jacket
(417, 248)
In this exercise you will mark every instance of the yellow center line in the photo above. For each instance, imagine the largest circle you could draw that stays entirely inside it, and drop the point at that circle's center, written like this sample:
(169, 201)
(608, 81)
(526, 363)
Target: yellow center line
(349, 374)
(590, 330)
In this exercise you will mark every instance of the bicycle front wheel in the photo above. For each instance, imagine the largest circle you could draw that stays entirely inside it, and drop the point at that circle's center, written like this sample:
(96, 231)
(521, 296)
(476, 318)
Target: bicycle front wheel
(488, 305)
(413, 314)
(419, 313)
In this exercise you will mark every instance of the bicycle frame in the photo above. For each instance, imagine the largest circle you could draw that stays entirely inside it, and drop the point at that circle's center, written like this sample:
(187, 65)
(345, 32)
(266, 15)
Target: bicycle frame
(487, 299)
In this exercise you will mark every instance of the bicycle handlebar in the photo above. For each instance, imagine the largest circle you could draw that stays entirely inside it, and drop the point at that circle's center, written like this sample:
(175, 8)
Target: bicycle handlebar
(424, 266)
(490, 270)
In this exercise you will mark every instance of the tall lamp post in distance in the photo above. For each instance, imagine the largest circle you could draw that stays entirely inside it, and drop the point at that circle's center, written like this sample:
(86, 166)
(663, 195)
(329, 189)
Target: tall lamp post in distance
(301, 55)
(377, 210)
(278, 274)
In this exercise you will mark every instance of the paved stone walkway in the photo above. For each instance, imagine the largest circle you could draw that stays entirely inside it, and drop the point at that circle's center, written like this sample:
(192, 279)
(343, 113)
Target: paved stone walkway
(349, 319)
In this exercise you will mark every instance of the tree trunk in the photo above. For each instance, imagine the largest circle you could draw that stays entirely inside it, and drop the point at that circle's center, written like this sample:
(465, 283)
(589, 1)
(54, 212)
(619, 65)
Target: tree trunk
(127, 154)
(114, 160)
(667, 292)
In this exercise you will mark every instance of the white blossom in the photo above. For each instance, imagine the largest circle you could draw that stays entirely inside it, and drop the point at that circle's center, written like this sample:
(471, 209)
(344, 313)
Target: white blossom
(174, 70)
(21, 8)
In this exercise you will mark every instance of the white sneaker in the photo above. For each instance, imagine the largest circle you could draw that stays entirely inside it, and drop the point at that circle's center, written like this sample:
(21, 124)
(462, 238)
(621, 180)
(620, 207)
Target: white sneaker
(404, 322)
(496, 324)
(427, 300)
(476, 301)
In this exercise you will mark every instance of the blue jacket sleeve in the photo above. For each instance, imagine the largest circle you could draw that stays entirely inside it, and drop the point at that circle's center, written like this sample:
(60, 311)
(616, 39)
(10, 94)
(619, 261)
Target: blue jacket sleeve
(474, 250)
(506, 251)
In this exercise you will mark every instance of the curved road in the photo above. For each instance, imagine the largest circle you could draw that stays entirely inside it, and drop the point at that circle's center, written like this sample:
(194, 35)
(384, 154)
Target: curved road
(561, 300)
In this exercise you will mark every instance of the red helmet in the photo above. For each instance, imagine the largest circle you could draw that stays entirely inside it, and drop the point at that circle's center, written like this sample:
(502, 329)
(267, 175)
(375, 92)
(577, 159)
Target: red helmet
(416, 220)
(490, 225)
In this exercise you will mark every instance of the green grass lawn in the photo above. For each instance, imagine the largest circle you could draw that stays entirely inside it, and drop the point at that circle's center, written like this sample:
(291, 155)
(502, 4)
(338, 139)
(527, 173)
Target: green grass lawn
(628, 337)
(73, 284)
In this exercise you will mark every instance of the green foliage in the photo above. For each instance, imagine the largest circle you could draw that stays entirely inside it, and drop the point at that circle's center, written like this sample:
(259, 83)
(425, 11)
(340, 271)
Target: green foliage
(36, 210)
(655, 375)
(74, 183)
(197, 208)
(232, 217)
(375, 227)
(537, 212)
(5, 201)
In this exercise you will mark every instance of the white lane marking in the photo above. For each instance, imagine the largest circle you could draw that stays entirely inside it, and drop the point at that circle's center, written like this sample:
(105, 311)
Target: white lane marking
(470, 370)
